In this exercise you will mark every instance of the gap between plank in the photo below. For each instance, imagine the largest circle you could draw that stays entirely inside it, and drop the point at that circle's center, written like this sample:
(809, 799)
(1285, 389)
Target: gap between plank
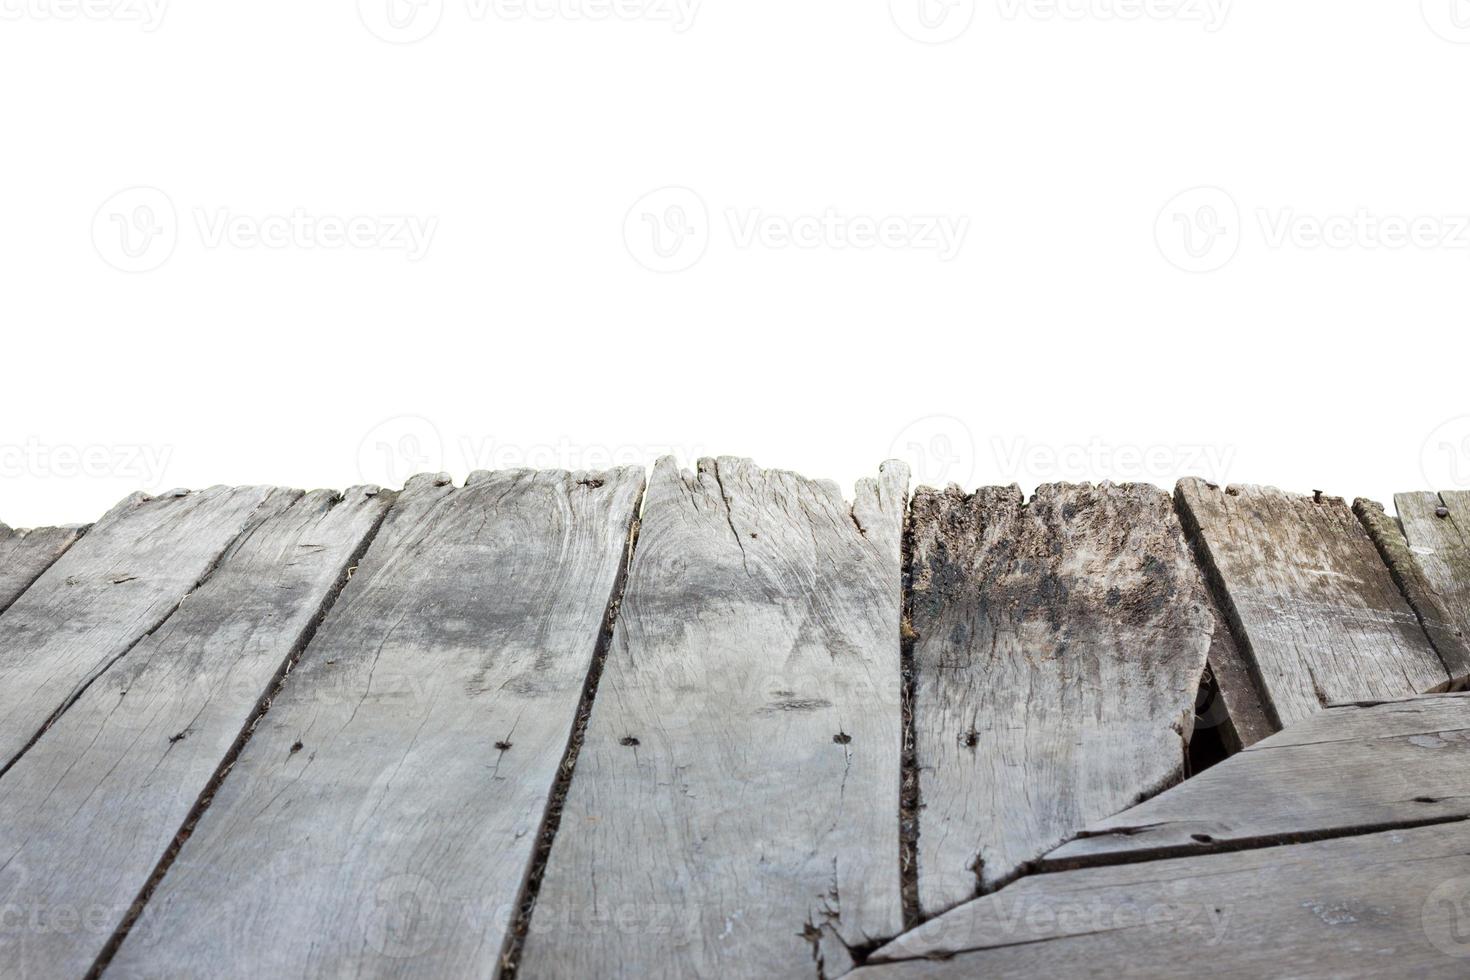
(515, 939)
(262, 706)
(908, 772)
(37, 577)
(249, 527)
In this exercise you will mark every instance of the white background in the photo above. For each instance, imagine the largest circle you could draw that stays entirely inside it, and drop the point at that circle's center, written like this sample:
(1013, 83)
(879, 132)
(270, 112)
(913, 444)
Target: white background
(1075, 333)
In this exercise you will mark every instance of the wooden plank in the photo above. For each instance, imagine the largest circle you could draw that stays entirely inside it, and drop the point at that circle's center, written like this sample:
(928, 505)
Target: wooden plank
(1313, 604)
(87, 814)
(1430, 559)
(382, 818)
(735, 806)
(1344, 770)
(1059, 651)
(119, 582)
(25, 554)
(1386, 904)
(1236, 707)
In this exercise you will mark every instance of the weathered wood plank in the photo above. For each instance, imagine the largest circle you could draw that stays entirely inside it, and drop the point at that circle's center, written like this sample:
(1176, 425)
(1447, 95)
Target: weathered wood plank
(88, 812)
(1346, 769)
(1313, 603)
(1430, 559)
(1058, 654)
(382, 819)
(1237, 708)
(121, 580)
(25, 554)
(1386, 904)
(734, 811)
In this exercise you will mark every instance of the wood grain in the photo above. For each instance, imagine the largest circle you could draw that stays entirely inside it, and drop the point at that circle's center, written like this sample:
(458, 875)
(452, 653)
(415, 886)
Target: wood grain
(1386, 904)
(734, 811)
(1430, 559)
(1059, 651)
(382, 819)
(25, 554)
(109, 590)
(88, 812)
(1346, 769)
(1312, 602)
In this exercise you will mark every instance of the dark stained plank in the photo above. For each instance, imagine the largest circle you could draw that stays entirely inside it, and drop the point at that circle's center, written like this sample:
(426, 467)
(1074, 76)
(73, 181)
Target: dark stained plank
(1311, 601)
(120, 581)
(1386, 904)
(25, 554)
(734, 810)
(1058, 656)
(1430, 559)
(382, 818)
(1345, 769)
(88, 812)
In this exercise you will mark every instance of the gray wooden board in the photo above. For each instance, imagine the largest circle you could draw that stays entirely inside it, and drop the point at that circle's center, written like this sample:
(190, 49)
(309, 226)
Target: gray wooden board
(1430, 556)
(734, 810)
(382, 818)
(1316, 608)
(87, 813)
(25, 554)
(1392, 763)
(1058, 656)
(121, 580)
(1385, 904)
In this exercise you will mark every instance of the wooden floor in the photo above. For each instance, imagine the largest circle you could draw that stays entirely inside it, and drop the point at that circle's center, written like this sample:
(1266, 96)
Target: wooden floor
(729, 724)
